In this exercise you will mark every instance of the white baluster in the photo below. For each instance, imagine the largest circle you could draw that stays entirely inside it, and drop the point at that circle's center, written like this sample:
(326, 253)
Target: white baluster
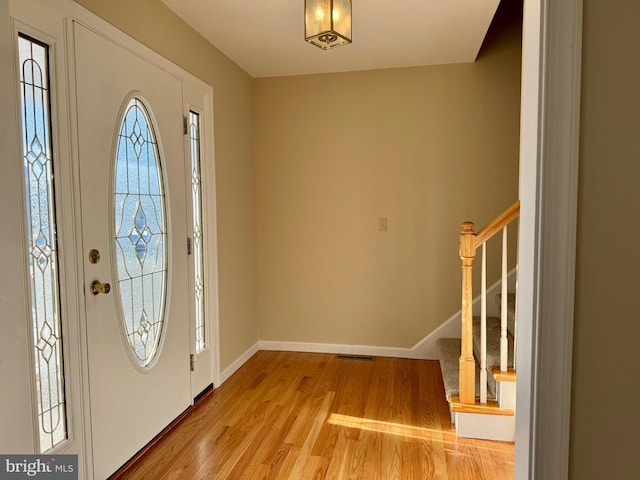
(504, 345)
(483, 327)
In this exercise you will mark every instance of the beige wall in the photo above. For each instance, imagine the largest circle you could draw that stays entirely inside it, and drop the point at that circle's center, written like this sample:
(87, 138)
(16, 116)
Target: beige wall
(606, 375)
(149, 22)
(426, 147)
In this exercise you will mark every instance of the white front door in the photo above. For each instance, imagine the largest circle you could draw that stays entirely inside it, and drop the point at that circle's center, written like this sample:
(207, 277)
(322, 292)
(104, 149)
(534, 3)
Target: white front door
(132, 181)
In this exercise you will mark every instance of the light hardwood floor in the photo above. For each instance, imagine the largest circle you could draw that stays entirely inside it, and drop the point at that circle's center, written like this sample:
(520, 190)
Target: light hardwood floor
(314, 416)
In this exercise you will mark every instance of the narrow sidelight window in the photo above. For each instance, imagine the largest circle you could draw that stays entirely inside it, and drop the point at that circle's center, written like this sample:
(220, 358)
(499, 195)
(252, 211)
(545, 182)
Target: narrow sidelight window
(198, 257)
(41, 244)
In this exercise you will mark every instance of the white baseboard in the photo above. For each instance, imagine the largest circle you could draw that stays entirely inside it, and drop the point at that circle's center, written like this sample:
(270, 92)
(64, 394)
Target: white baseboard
(238, 362)
(426, 348)
(339, 349)
(312, 348)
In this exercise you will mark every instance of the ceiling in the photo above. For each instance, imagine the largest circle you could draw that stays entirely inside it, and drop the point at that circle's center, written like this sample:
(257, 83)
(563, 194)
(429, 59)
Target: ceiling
(266, 37)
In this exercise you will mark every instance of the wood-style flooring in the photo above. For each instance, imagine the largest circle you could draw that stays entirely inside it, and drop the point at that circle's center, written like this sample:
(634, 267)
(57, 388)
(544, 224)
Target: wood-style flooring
(314, 416)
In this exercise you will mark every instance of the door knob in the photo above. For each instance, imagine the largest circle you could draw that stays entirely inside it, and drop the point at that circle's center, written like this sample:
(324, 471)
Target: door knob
(98, 287)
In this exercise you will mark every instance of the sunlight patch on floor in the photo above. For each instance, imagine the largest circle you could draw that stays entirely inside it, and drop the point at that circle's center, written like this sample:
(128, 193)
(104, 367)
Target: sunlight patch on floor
(390, 428)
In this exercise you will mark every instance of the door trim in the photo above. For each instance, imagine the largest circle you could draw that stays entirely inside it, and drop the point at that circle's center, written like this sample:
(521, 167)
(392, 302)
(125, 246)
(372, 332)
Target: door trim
(550, 135)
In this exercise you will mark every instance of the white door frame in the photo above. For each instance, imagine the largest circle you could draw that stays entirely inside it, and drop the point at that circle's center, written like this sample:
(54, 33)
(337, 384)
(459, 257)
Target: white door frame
(550, 121)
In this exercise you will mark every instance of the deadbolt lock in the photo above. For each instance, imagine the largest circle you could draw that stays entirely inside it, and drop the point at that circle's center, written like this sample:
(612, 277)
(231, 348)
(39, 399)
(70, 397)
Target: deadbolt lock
(98, 287)
(94, 256)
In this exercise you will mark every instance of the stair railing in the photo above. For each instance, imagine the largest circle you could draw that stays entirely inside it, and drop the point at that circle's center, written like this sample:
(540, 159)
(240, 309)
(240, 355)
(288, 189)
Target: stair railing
(469, 243)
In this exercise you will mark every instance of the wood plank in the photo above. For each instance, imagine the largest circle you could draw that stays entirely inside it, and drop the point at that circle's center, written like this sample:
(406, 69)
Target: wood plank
(489, 408)
(299, 415)
(500, 376)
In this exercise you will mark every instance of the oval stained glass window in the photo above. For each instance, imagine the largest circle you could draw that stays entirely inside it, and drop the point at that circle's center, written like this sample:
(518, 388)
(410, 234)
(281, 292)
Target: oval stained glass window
(140, 233)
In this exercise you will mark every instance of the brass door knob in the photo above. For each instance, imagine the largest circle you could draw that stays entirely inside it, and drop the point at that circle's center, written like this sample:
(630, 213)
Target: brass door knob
(98, 287)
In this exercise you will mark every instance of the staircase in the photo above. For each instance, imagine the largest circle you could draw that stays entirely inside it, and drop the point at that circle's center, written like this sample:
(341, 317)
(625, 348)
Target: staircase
(482, 394)
(501, 401)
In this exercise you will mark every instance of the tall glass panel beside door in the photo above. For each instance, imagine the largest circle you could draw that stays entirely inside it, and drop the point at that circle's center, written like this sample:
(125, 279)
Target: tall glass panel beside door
(202, 296)
(198, 253)
(42, 242)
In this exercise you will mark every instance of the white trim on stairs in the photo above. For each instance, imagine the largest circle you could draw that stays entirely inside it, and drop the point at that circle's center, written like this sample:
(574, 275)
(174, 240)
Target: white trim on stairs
(488, 427)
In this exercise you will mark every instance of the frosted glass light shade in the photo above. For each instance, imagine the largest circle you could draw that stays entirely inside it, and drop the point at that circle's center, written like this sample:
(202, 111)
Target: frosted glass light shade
(327, 23)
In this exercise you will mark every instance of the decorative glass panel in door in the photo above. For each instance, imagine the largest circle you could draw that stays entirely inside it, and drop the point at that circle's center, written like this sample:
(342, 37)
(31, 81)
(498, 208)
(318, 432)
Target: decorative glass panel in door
(140, 233)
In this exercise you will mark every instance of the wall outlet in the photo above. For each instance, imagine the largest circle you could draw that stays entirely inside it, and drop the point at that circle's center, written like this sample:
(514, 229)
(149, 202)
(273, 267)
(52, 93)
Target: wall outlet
(382, 224)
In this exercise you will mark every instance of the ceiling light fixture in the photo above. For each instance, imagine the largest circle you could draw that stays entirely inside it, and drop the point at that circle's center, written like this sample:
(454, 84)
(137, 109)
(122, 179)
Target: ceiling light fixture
(327, 23)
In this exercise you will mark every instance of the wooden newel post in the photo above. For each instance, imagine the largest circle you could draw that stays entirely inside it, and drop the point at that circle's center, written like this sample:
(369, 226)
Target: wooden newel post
(467, 362)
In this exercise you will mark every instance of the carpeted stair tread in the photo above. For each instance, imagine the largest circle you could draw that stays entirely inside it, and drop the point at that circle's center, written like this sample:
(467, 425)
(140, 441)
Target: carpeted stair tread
(493, 342)
(449, 351)
(449, 356)
(493, 347)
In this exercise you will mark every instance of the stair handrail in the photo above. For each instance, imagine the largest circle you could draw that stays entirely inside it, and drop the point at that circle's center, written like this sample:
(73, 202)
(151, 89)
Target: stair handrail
(469, 241)
(498, 223)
